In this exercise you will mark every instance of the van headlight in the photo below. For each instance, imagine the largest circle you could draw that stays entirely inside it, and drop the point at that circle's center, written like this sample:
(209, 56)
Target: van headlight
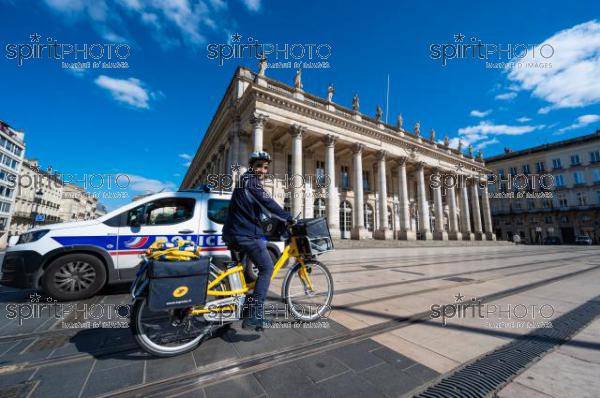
(32, 236)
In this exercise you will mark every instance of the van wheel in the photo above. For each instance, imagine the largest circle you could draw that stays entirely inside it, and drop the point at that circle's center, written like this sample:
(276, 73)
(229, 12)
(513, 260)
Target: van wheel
(251, 270)
(74, 277)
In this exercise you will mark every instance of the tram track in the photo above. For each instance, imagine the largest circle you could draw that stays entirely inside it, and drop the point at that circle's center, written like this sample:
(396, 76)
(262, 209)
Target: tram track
(225, 369)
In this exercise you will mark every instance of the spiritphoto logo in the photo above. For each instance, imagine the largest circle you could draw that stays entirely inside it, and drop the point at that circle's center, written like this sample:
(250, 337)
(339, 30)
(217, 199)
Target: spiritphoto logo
(510, 315)
(285, 55)
(499, 55)
(72, 55)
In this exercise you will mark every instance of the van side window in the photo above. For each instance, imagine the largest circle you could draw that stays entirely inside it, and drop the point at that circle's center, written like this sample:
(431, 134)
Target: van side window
(169, 211)
(217, 210)
(163, 211)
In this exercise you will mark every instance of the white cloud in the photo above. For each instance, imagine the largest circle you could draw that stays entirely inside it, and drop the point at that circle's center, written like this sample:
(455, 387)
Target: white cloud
(574, 79)
(582, 121)
(485, 128)
(506, 96)
(484, 134)
(523, 119)
(185, 156)
(129, 91)
(483, 144)
(477, 113)
(147, 185)
(252, 5)
(173, 22)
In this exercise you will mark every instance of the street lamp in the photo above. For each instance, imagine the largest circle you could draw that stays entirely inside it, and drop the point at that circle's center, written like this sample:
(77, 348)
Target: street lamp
(37, 199)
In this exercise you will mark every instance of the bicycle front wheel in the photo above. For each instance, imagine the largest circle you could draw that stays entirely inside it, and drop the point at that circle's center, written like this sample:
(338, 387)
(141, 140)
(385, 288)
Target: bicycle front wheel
(308, 290)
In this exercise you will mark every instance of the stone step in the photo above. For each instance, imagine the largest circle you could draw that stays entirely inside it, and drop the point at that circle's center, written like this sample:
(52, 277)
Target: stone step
(374, 243)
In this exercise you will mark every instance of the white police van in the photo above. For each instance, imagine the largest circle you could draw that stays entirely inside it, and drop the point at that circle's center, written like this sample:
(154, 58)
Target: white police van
(74, 260)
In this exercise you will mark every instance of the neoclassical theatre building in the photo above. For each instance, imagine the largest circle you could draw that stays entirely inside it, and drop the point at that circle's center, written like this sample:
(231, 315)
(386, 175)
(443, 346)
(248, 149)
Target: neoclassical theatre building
(370, 179)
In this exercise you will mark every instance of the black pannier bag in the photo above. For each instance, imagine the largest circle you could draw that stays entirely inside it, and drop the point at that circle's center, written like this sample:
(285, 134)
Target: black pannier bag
(176, 284)
(312, 236)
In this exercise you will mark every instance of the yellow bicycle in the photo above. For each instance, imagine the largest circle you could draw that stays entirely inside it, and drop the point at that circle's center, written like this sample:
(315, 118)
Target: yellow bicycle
(306, 291)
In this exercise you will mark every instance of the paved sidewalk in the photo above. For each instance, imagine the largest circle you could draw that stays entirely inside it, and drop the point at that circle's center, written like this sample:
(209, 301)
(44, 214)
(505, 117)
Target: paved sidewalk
(571, 371)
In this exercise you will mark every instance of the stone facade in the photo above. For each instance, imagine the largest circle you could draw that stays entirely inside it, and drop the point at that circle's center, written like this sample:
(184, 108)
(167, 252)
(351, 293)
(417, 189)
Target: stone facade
(370, 179)
(12, 152)
(573, 205)
(39, 192)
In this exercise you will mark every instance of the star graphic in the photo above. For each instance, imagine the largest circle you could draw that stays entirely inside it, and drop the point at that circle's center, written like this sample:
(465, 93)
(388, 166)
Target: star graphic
(459, 167)
(236, 37)
(235, 167)
(35, 38)
(459, 297)
(459, 37)
(34, 298)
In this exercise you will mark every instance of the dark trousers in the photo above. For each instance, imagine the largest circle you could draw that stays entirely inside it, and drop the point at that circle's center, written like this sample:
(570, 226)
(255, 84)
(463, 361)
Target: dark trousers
(256, 250)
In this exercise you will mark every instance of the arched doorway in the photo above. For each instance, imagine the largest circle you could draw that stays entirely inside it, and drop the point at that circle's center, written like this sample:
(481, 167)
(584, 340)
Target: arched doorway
(345, 219)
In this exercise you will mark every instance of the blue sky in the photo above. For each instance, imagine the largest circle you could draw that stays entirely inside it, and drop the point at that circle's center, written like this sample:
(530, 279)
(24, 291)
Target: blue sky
(148, 119)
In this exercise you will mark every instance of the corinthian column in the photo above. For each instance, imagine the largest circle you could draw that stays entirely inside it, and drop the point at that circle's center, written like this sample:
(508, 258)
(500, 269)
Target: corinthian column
(332, 196)
(296, 179)
(383, 232)
(439, 233)
(358, 229)
(405, 233)
(464, 212)
(258, 125)
(476, 212)
(454, 233)
(422, 203)
(487, 215)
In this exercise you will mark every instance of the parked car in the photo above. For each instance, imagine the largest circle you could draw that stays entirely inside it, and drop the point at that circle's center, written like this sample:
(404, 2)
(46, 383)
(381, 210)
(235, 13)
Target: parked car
(74, 260)
(583, 240)
(552, 240)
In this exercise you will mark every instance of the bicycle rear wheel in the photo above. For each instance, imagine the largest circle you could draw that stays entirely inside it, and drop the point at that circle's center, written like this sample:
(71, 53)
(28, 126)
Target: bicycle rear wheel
(168, 333)
(308, 290)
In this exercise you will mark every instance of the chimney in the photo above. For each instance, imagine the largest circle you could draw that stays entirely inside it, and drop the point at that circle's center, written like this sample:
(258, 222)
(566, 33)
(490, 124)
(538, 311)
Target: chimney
(34, 163)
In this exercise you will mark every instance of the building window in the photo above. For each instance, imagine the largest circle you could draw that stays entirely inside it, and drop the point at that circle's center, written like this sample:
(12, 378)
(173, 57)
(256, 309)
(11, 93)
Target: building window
(559, 180)
(548, 219)
(320, 172)
(596, 175)
(390, 218)
(595, 156)
(289, 165)
(531, 204)
(562, 201)
(345, 178)
(320, 207)
(598, 196)
(546, 203)
(556, 164)
(575, 160)
(345, 216)
(578, 177)
(366, 186)
(525, 169)
(501, 173)
(539, 167)
(369, 217)
(513, 171)
(582, 198)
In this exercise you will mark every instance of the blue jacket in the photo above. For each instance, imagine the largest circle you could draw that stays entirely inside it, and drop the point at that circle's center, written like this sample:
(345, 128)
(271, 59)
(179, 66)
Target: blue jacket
(244, 211)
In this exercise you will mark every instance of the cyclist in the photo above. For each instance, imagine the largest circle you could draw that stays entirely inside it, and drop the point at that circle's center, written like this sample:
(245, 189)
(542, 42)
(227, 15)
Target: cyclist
(242, 232)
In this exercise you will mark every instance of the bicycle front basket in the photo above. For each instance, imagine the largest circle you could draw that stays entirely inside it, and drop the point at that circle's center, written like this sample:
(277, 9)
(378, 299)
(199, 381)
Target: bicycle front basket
(313, 236)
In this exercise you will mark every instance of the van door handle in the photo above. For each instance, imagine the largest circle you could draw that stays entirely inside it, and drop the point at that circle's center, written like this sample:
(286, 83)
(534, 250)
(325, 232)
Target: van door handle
(210, 231)
(186, 231)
